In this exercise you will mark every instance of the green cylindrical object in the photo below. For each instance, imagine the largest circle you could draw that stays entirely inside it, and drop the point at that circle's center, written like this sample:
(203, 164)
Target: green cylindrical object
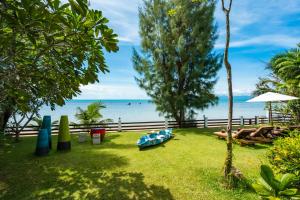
(42, 146)
(47, 125)
(64, 138)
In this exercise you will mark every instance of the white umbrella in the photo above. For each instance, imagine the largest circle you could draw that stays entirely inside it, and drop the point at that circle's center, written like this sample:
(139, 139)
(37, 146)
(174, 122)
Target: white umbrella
(272, 97)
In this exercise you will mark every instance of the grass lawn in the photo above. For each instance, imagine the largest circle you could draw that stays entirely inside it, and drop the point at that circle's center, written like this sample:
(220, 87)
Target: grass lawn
(186, 167)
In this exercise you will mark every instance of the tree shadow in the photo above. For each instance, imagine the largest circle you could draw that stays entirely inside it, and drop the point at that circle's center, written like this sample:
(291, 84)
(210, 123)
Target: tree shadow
(258, 146)
(87, 184)
(108, 143)
(7, 143)
(86, 172)
(42, 173)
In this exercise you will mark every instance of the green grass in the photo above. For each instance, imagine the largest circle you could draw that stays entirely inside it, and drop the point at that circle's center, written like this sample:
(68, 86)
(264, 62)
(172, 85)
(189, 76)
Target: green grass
(186, 167)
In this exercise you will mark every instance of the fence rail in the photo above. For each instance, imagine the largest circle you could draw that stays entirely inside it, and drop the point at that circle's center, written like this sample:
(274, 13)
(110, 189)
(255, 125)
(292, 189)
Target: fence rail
(153, 125)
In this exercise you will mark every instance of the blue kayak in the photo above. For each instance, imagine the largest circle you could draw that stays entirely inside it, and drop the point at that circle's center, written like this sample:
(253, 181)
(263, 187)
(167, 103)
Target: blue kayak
(154, 138)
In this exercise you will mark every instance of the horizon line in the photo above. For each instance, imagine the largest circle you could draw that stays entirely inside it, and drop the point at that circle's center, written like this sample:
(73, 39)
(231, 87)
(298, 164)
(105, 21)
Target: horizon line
(221, 95)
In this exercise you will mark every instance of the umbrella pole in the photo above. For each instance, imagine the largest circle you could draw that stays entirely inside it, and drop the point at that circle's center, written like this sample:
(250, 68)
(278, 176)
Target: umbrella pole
(270, 114)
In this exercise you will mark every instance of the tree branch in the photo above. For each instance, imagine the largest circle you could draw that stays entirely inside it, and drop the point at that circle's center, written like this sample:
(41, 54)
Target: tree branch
(226, 10)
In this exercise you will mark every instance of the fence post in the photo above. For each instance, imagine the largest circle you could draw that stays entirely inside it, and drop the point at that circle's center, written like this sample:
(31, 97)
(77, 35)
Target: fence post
(119, 125)
(256, 120)
(166, 123)
(205, 121)
(242, 121)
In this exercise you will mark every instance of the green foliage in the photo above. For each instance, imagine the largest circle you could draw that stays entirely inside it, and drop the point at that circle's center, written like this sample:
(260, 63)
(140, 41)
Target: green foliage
(178, 67)
(284, 78)
(270, 187)
(285, 154)
(48, 50)
(92, 114)
(64, 132)
(286, 66)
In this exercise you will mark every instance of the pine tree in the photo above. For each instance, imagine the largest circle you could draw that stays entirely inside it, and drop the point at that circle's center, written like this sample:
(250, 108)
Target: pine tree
(178, 66)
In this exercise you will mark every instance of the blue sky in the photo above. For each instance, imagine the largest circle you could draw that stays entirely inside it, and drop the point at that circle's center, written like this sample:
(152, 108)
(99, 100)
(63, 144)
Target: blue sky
(260, 29)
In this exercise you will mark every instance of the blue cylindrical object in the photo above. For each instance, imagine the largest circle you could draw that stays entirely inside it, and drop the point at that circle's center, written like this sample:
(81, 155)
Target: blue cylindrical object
(42, 146)
(47, 125)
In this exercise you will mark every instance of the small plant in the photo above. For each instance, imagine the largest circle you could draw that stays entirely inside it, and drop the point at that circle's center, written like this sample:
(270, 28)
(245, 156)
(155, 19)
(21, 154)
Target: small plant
(270, 187)
(92, 115)
(284, 156)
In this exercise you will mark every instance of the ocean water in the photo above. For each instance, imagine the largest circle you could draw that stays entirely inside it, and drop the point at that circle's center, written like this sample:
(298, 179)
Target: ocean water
(143, 110)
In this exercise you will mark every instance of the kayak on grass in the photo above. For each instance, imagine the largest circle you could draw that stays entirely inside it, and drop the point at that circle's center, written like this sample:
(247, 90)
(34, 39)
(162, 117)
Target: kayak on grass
(152, 139)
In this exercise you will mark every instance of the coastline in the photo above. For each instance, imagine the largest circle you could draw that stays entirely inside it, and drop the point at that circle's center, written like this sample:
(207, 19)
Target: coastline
(134, 110)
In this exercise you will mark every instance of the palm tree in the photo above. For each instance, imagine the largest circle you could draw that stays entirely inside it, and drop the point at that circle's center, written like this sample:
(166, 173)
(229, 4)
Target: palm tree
(267, 84)
(284, 78)
(91, 115)
(287, 67)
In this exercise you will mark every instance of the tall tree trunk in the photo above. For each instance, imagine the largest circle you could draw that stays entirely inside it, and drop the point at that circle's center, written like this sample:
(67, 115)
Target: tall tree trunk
(4, 117)
(228, 160)
(17, 136)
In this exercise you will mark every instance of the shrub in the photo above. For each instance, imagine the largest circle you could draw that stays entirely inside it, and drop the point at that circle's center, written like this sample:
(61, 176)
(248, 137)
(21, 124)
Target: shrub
(274, 187)
(284, 156)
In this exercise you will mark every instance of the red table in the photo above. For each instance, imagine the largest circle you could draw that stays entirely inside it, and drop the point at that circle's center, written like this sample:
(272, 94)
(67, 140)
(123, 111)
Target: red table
(100, 131)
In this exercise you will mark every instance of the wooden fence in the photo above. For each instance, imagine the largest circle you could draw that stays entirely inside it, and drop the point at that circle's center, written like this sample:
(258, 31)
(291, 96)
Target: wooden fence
(151, 125)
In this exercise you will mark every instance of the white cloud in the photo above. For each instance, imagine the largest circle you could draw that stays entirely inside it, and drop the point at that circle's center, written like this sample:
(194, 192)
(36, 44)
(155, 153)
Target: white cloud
(107, 91)
(261, 16)
(245, 12)
(260, 22)
(274, 40)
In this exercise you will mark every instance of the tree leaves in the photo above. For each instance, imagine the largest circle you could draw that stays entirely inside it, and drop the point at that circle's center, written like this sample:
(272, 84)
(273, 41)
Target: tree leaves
(77, 8)
(270, 187)
(284, 78)
(53, 47)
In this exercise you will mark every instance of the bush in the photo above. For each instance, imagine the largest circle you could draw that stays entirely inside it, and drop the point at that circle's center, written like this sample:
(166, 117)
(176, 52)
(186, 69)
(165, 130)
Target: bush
(274, 187)
(284, 156)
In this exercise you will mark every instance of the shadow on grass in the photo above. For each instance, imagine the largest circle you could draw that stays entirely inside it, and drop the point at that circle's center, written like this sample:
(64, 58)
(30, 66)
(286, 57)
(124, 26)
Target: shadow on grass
(87, 184)
(68, 175)
(203, 131)
(85, 172)
(258, 146)
(108, 143)
(7, 143)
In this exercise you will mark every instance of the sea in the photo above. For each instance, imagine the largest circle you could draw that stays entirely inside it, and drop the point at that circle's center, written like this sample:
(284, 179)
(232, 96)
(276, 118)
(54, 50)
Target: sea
(142, 110)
